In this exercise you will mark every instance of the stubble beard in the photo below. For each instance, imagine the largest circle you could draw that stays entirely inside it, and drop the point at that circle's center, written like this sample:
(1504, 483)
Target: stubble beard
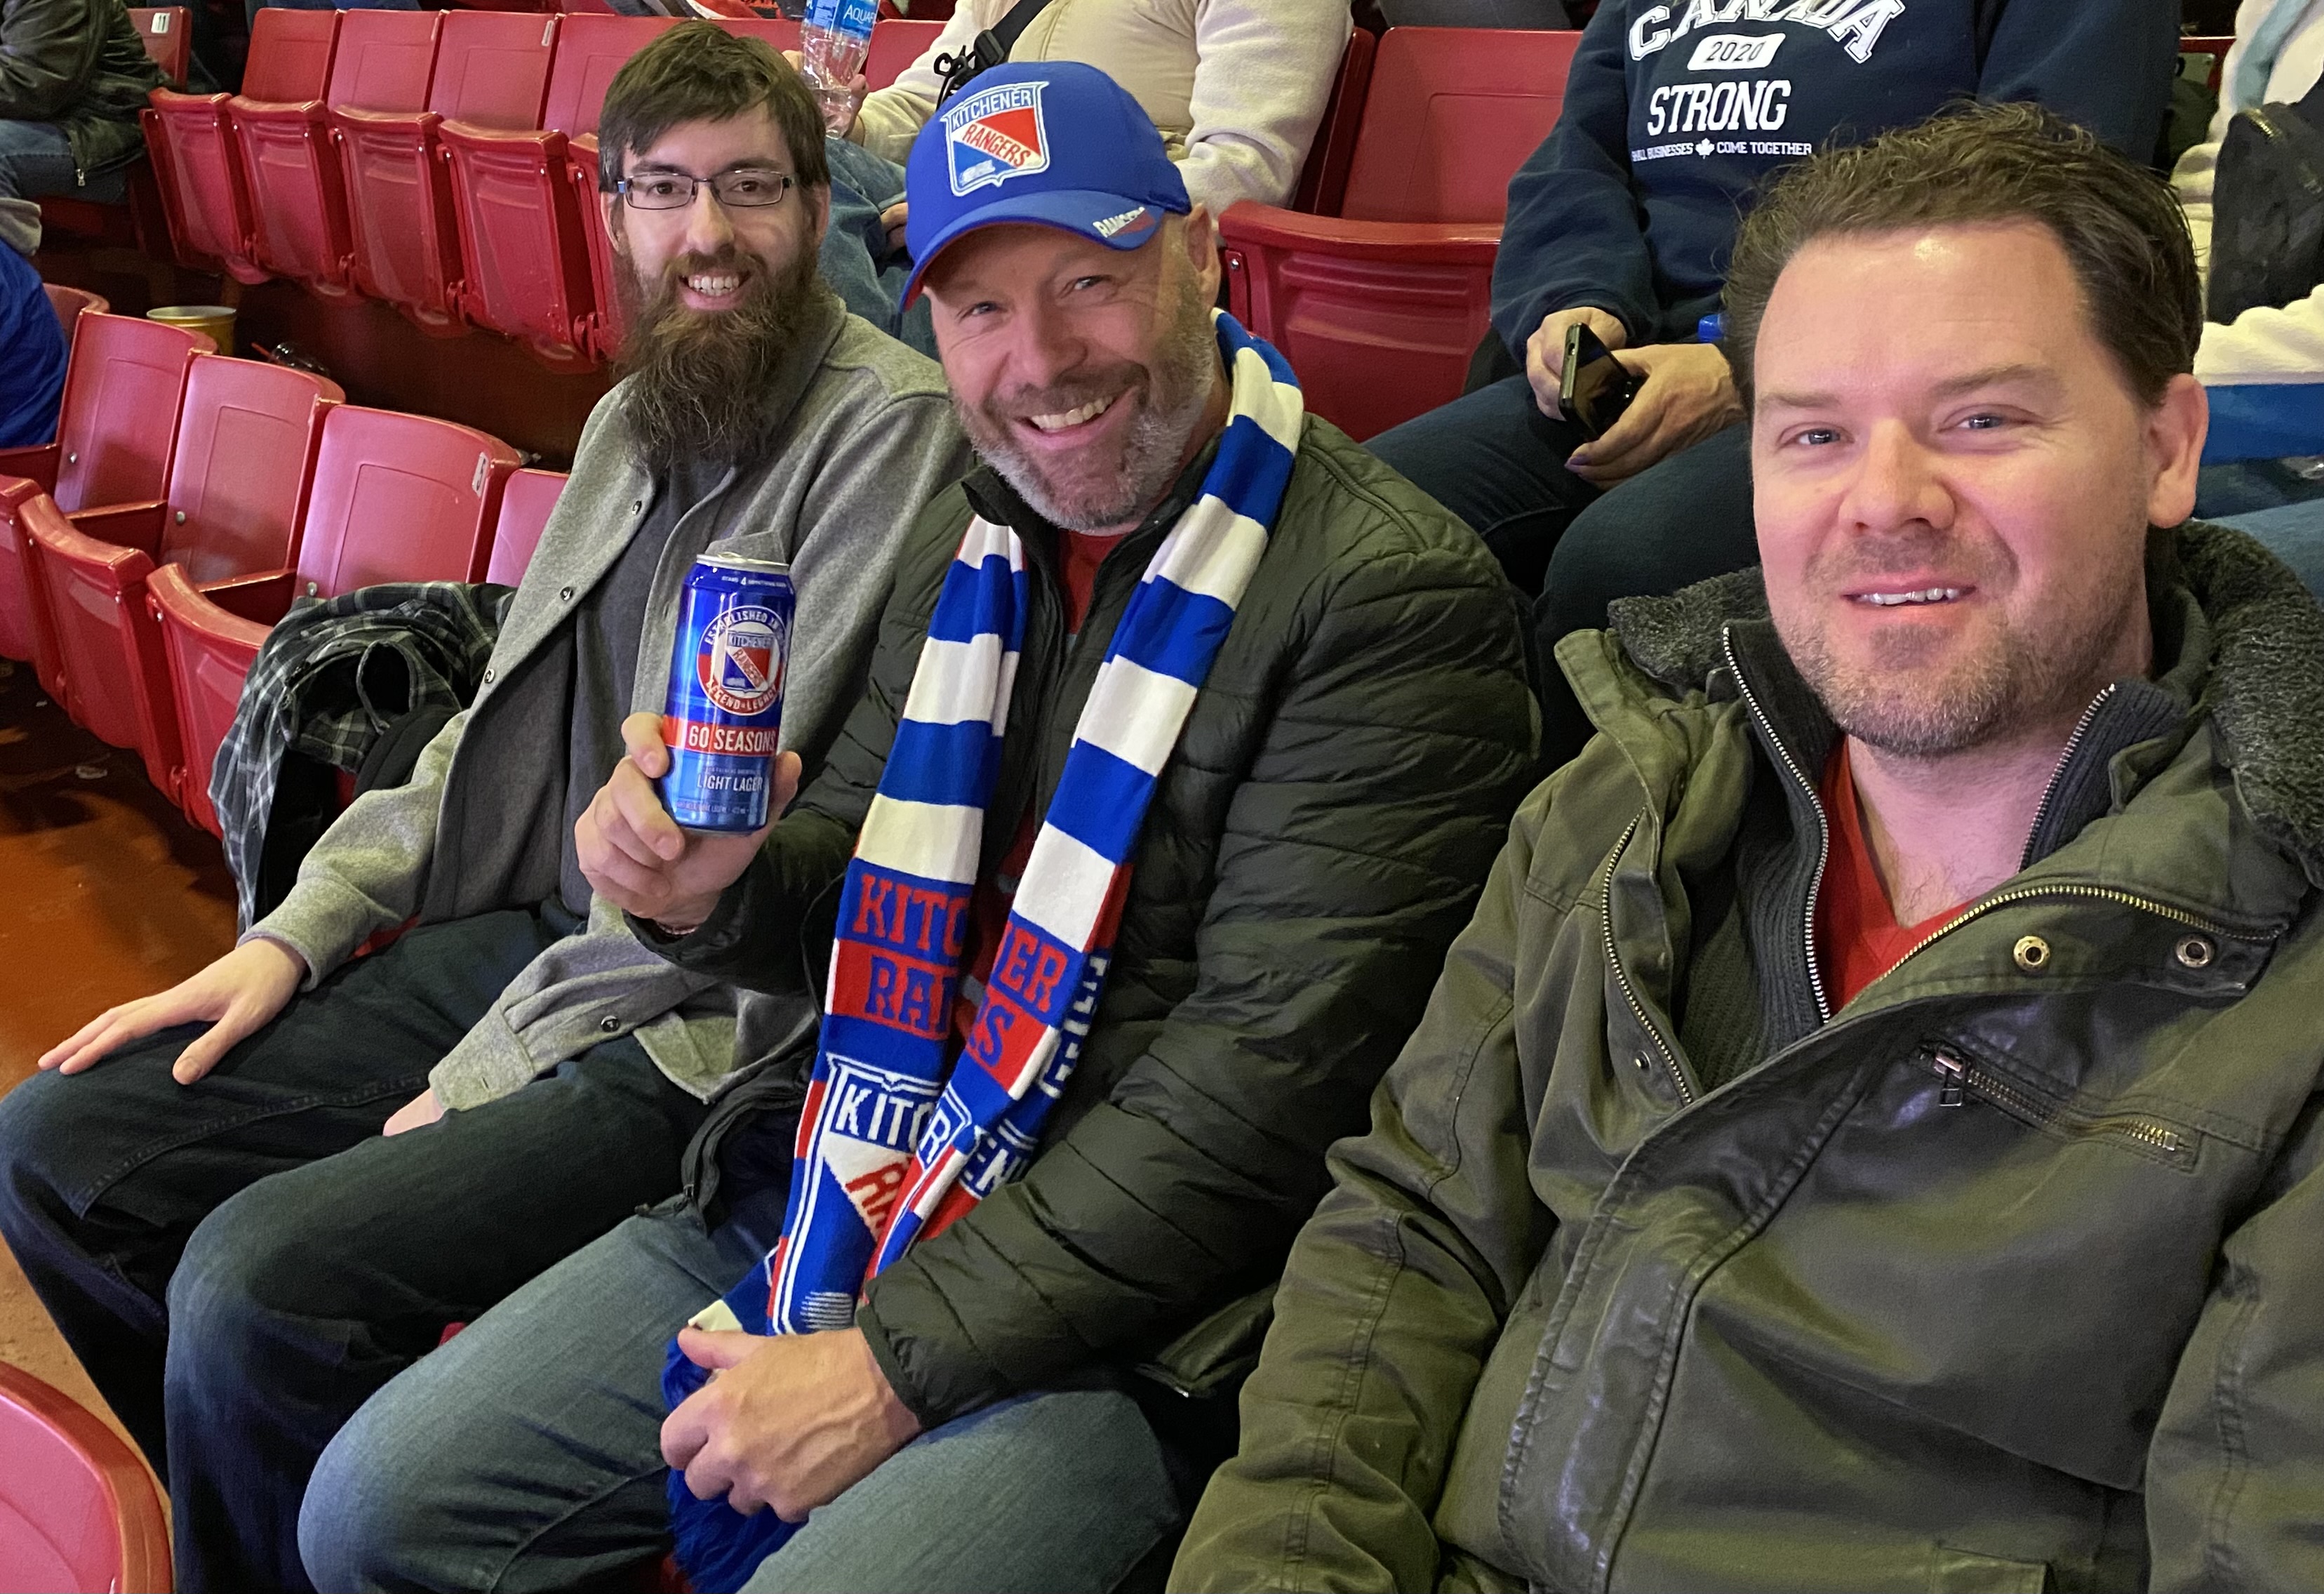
(1912, 701)
(1171, 396)
(698, 379)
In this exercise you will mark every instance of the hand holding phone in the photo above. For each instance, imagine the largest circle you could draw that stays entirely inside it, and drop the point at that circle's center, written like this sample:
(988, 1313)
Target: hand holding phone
(1594, 388)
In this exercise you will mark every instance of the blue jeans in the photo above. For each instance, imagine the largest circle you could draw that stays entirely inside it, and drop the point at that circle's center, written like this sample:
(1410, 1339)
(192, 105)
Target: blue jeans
(241, 1262)
(526, 1454)
(2294, 533)
(857, 261)
(36, 160)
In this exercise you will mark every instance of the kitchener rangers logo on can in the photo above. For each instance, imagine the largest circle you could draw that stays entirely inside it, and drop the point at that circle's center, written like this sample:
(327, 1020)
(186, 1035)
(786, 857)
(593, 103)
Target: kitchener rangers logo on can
(994, 135)
(740, 661)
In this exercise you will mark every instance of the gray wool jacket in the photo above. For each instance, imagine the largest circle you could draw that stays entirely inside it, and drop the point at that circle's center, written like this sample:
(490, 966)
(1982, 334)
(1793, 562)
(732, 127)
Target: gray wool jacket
(869, 437)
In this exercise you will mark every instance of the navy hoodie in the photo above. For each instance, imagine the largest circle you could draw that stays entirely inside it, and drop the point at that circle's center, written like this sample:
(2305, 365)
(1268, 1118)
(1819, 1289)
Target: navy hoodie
(1677, 109)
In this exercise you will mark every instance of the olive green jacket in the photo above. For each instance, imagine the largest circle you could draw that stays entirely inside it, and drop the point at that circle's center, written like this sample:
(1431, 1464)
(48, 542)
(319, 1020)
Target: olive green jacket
(1653, 1273)
(80, 65)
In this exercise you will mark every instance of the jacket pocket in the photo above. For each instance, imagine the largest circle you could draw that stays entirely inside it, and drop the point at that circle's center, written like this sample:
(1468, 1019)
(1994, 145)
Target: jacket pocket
(1966, 1572)
(1963, 1080)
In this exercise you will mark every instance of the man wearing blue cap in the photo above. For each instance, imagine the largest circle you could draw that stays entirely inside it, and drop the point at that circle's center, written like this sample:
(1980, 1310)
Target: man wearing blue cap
(1190, 733)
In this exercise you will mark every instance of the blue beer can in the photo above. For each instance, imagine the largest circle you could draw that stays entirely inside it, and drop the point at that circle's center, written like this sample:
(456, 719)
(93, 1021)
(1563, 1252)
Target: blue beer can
(725, 706)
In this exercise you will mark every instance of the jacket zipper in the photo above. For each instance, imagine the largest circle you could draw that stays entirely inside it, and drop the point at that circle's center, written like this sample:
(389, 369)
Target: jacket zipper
(1815, 803)
(1962, 1080)
(1622, 978)
(2065, 761)
(2211, 927)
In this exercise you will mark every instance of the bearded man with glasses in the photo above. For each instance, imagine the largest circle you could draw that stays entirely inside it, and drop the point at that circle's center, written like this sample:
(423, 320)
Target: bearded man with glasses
(233, 1246)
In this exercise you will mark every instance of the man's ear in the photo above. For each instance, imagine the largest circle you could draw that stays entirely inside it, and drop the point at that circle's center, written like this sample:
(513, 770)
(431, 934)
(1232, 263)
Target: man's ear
(2175, 430)
(821, 222)
(605, 203)
(1203, 250)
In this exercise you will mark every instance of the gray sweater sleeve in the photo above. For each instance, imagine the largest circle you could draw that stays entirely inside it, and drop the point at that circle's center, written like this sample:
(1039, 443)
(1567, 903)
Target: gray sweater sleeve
(367, 872)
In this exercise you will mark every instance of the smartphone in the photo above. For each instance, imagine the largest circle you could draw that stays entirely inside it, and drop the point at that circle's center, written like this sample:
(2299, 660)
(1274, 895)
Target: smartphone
(1596, 388)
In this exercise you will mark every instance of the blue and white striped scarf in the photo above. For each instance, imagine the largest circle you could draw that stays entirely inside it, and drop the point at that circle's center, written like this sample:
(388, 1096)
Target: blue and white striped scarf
(895, 1140)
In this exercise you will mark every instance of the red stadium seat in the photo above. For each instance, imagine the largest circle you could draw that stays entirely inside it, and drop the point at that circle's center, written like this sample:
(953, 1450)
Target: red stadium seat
(69, 303)
(395, 497)
(524, 230)
(290, 157)
(492, 70)
(238, 476)
(524, 511)
(78, 1508)
(167, 39)
(1323, 180)
(191, 137)
(123, 387)
(1379, 308)
(896, 43)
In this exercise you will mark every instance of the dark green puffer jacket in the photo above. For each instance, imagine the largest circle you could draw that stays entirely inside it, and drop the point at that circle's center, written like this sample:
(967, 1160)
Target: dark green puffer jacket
(1653, 1273)
(1317, 840)
(79, 64)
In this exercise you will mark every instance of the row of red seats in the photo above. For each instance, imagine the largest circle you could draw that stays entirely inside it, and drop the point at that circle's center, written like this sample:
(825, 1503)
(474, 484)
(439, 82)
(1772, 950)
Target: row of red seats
(189, 497)
(443, 162)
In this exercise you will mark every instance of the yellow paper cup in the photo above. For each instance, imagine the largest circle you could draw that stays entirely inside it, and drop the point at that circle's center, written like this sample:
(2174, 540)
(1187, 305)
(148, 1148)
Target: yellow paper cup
(216, 320)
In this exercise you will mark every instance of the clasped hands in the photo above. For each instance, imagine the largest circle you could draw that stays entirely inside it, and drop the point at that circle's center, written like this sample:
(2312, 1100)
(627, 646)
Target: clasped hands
(791, 1421)
(1688, 394)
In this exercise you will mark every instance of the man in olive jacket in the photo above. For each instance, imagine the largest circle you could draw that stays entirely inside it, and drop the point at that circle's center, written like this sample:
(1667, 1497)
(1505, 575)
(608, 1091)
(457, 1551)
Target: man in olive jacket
(1866, 1138)
(1318, 831)
(73, 75)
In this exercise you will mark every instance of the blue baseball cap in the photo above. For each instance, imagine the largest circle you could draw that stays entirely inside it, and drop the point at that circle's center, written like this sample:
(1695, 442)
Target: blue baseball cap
(1056, 143)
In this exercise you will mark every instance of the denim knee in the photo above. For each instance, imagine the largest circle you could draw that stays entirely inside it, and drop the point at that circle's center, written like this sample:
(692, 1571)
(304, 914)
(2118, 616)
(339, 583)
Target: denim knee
(369, 1514)
(42, 1160)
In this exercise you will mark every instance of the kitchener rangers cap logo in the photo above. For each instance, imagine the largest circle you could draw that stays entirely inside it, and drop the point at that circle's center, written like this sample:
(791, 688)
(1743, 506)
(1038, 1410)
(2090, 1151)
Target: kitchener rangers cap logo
(994, 135)
(738, 663)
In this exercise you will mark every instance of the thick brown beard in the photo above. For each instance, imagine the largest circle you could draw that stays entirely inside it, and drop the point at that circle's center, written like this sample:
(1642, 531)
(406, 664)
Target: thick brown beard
(1171, 394)
(696, 378)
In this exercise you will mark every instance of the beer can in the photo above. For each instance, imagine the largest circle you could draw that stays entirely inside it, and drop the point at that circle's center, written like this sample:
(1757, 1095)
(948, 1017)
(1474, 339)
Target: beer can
(725, 705)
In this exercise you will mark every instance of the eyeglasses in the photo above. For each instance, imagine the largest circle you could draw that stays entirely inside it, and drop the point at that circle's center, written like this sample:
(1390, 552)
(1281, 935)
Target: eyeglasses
(746, 188)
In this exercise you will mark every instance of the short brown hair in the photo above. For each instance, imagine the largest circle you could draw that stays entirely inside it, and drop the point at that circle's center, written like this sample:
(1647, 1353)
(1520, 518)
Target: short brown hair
(697, 72)
(2118, 222)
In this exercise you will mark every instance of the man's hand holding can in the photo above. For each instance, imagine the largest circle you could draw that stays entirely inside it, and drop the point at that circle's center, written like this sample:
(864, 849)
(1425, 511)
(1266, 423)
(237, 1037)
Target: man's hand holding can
(637, 858)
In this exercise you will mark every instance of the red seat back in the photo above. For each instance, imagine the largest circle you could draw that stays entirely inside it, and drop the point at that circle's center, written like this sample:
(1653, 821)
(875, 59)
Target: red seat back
(524, 511)
(1323, 180)
(491, 68)
(122, 393)
(400, 498)
(70, 304)
(1451, 113)
(385, 60)
(2207, 55)
(589, 50)
(290, 54)
(896, 43)
(238, 476)
(162, 29)
(780, 32)
(76, 1506)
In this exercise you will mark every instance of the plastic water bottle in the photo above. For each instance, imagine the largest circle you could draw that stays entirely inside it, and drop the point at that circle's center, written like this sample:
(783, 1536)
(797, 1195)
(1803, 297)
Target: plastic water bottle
(834, 38)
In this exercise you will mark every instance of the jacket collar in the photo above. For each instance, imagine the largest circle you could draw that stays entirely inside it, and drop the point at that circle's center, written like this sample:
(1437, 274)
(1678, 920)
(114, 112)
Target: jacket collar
(2237, 639)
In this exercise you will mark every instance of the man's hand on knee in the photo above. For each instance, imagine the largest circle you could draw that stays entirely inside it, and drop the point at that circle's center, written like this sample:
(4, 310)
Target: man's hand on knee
(635, 856)
(792, 1422)
(1689, 394)
(236, 995)
(1544, 352)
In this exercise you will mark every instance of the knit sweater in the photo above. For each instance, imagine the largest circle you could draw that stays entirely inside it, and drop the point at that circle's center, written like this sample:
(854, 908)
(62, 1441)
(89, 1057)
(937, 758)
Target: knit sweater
(2256, 366)
(1237, 86)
